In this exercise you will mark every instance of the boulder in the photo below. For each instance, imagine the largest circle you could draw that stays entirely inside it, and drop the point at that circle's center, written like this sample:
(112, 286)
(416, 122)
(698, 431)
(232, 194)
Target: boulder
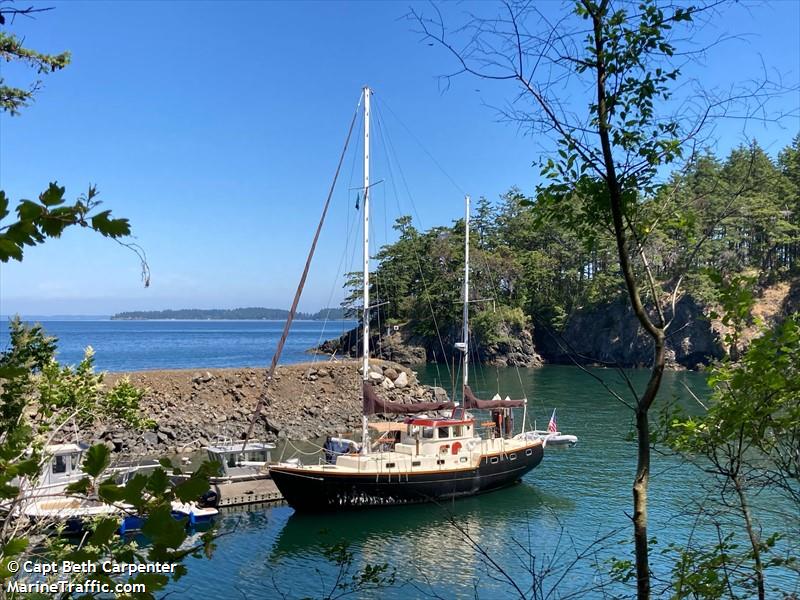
(401, 380)
(390, 373)
(387, 384)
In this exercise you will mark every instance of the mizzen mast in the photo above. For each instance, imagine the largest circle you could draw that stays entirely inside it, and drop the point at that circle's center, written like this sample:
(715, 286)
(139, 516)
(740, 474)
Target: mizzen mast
(365, 325)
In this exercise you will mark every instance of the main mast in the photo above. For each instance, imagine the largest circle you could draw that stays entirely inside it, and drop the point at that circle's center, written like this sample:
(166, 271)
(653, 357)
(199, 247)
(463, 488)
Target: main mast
(466, 294)
(365, 325)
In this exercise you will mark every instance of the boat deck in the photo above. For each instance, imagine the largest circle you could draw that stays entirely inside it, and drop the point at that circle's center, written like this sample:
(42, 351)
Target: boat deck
(251, 491)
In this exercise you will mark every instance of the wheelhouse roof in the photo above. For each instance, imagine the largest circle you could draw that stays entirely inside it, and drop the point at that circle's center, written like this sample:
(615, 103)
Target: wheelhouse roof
(445, 422)
(237, 447)
(60, 449)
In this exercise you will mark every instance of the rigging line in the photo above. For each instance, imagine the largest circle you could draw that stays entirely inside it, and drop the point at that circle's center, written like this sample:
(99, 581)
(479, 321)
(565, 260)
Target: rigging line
(496, 292)
(421, 145)
(391, 150)
(293, 309)
(339, 270)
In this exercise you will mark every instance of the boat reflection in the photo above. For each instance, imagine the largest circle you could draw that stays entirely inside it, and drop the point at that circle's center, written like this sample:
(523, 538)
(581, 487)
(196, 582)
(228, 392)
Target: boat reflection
(509, 509)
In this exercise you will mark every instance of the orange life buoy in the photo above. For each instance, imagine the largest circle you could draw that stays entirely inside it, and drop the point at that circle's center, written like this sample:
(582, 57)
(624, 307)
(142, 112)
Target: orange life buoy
(456, 447)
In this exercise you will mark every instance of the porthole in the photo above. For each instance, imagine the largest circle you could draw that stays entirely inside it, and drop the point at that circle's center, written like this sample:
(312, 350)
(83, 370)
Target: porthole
(495, 460)
(389, 465)
(528, 452)
(415, 463)
(463, 459)
(512, 456)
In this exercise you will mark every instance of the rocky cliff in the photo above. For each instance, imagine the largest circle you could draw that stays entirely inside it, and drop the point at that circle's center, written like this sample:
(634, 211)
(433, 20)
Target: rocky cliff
(603, 334)
(610, 334)
(515, 348)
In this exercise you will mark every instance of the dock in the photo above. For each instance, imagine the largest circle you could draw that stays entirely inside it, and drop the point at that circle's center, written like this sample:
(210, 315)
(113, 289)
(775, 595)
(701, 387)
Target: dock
(250, 491)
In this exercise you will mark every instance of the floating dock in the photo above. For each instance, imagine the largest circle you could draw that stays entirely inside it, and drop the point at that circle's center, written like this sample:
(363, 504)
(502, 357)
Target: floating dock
(251, 491)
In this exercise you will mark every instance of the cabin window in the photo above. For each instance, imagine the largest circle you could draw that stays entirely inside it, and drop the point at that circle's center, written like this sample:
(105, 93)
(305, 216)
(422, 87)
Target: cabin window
(463, 459)
(427, 433)
(528, 452)
(512, 456)
(75, 461)
(494, 460)
(440, 461)
(416, 463)
(444, 433)
(458, 431)
(390, 465)
(60, 464)
(231, 460)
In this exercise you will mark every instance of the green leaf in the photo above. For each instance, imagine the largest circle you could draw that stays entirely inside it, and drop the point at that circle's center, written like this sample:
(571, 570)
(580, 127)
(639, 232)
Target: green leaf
(9, 249)
(28, 210)
(192, 488)
(15, 546)
(104, 530)
(81, 486)
(3, 204)
(113, 228)
(163, 529)
(158, 482)
(53, 196)
(97, 460)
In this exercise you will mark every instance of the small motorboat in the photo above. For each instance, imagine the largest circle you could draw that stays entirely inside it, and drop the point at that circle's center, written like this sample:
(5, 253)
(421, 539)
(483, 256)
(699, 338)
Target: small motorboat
(196, 514)
(551, 436)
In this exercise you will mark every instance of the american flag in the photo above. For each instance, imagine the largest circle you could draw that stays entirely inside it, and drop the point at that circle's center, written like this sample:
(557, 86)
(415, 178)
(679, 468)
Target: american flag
(551, 426)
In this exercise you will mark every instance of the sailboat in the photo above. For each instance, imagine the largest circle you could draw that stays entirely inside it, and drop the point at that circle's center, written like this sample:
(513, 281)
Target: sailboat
(439, 454)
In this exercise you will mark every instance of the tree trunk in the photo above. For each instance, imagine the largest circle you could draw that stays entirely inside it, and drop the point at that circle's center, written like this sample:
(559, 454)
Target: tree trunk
(642, 480)
(754, 543)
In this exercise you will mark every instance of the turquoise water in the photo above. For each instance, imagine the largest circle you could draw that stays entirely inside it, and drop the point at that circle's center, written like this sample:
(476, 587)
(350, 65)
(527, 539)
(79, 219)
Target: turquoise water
(575, 502)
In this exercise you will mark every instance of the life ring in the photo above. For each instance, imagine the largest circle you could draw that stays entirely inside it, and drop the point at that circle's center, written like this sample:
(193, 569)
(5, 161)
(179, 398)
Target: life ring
(444, 448)
(456, 447)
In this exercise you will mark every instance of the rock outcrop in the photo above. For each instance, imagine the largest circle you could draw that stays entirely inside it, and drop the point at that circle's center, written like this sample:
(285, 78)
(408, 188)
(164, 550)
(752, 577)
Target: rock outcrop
(516, 348)
(193, 408)
(611, 335)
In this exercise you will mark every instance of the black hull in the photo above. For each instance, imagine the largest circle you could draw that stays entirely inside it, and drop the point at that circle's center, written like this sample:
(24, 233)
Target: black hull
(320, 491)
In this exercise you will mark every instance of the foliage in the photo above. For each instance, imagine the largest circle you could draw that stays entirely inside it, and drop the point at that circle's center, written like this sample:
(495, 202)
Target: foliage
(612, 142)
(47, 395)
(12, 48)
(748, 438)
(122, 402)
(531, 254)
(491, 327)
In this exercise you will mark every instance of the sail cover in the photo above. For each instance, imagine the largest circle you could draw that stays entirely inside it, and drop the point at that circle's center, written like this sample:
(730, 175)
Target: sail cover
(472, 401)
(373, 404)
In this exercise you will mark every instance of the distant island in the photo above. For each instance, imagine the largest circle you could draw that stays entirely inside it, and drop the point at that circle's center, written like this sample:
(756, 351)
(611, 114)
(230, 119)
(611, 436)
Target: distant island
(227, 314)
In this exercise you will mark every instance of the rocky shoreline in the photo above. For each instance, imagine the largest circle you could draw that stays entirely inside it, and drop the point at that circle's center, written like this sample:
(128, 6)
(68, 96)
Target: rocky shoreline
(193, 408)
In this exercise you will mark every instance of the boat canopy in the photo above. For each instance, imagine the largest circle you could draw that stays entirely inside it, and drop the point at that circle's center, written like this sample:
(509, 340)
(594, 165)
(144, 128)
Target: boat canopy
(373, 404)
(472, 401)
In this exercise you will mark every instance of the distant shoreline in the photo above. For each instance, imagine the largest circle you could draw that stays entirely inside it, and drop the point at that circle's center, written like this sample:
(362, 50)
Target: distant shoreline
(255, 313)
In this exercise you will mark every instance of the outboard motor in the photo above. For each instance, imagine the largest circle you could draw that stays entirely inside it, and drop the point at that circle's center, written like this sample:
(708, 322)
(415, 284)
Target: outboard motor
(209, 499)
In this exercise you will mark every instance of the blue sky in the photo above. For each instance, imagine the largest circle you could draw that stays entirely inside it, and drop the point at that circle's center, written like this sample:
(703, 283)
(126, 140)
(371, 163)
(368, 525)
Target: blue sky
(215, 127)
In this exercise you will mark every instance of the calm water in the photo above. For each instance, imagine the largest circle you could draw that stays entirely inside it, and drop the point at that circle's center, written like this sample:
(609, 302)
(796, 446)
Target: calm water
(139, 345)
(575, 497)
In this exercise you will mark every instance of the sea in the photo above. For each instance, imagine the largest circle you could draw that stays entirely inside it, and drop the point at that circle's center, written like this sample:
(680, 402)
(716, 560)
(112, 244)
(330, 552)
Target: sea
(556, 534)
